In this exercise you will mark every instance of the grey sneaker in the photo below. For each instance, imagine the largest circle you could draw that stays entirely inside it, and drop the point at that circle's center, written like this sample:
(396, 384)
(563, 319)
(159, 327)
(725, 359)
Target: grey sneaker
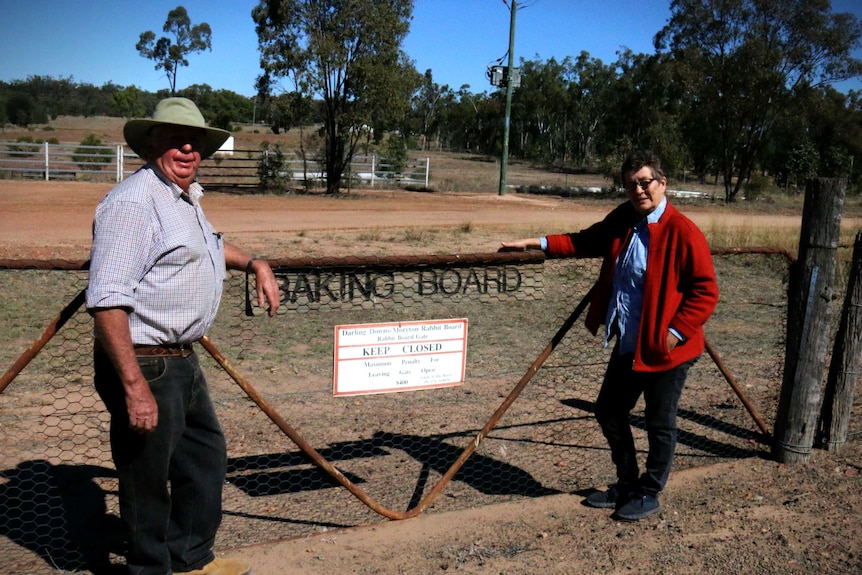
(637, 507)
(610, 499)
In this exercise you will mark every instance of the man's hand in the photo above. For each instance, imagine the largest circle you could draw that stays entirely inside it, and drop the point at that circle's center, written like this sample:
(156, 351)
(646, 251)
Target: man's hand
(142, 408)
(267, 287)
(112, 330)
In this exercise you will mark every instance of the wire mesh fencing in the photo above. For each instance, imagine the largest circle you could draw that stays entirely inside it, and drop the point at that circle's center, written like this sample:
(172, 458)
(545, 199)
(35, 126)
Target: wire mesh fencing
(400, 451)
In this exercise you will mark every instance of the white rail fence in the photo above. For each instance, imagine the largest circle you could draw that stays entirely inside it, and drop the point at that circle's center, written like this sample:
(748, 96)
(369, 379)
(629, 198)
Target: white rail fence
(49, 161)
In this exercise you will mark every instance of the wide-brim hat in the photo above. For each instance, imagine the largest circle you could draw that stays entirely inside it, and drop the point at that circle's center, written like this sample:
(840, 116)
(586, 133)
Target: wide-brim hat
(177, 112)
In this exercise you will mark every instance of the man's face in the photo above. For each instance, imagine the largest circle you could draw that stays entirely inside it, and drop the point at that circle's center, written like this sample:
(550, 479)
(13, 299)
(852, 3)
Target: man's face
(644, 190)
(177, 152)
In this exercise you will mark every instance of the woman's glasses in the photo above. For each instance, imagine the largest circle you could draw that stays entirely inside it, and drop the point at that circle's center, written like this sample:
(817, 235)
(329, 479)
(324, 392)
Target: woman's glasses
(642, 184)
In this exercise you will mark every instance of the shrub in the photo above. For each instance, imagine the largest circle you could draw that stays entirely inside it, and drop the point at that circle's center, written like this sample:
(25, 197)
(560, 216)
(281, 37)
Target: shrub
(29, 147)
(90, 157)
(758, 187)
(394, 156)
(270, 168)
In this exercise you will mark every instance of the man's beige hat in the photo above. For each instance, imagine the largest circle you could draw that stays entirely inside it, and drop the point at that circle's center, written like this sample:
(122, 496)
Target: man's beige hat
(178, 112)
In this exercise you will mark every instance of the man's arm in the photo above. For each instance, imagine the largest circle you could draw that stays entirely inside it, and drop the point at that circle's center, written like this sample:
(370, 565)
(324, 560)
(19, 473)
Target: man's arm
(267, 286)
(112, 331)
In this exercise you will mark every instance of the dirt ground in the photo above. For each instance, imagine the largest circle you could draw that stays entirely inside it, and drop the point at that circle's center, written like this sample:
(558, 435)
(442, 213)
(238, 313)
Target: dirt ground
(751, 516)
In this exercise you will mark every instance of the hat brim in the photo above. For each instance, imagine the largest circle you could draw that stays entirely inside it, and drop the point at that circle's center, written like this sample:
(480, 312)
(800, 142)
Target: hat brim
(135, 133)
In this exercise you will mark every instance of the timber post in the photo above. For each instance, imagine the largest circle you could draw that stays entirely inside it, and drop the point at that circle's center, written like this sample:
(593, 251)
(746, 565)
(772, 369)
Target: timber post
(810, 292)
(846, 360)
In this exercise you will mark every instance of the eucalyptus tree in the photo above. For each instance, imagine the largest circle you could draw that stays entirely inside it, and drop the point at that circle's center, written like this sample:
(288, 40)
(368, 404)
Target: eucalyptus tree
(539, 111)
(222, 108)
(169, 52)
(741, 59)
(466, 121)
(590, 105)
(347, 53)
(835, 125)
(130, 102)
(820, 133)
(428, 103)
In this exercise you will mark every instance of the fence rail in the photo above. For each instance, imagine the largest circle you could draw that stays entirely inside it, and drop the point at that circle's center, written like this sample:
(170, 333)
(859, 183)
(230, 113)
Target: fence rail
(50, 161)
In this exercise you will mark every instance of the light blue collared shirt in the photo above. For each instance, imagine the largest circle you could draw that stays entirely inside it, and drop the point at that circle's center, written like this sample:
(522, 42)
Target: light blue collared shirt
(627, 293)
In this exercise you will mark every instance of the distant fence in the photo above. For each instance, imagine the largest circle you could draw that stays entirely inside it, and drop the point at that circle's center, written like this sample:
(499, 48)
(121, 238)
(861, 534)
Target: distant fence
(58, 506)
(48, 161)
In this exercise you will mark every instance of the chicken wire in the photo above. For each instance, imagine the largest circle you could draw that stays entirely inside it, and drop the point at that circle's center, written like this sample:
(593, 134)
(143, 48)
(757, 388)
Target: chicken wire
(58, 508)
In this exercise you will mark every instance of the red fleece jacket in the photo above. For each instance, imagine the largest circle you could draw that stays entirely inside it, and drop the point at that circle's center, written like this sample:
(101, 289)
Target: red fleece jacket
(680, 289)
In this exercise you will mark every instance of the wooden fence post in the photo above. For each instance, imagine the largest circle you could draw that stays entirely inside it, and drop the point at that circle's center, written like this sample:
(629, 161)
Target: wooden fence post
(808, 319)
(846, 360)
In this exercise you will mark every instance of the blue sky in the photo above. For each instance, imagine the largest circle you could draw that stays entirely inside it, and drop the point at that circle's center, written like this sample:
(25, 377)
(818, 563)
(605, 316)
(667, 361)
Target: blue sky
(93, 41)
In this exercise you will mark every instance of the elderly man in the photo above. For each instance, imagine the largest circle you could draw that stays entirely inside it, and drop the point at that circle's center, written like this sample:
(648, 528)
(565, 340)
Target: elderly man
(156, 275)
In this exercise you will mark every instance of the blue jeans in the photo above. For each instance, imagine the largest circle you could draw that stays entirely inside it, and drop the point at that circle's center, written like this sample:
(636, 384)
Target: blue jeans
(170, 481)
(620, 391)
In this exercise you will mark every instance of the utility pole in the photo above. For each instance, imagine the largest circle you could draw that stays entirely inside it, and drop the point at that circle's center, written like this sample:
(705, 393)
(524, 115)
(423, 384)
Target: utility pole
(510, 75)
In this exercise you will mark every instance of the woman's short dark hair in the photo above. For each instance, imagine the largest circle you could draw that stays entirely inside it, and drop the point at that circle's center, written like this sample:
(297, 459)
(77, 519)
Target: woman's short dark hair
(640, 159)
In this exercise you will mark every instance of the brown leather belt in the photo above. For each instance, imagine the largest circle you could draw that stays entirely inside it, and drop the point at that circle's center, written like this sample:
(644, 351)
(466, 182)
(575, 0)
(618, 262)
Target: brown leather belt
(167, 350)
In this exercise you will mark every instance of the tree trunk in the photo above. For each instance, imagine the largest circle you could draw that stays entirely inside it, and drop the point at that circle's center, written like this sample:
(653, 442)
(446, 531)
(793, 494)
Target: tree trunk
(808, 319)
(846, 360)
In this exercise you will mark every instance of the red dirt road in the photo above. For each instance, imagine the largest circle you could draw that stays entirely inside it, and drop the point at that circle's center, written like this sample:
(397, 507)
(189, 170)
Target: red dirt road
(53, 220)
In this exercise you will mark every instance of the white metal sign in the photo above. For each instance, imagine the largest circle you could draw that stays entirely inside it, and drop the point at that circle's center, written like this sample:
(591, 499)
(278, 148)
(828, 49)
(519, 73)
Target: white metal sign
(399, 356)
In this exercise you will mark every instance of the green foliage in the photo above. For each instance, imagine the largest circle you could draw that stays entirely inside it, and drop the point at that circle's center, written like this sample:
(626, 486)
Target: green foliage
(739, 62)
(25, 150)
(31, 100)
(836, 162)
(313, 42)
(610, 162)
(221, 108)
(757, 188)
(394, 154)
(727, 95)
(169, 52)
(29, 146)
(271, 170)
(87, 157)
(289, 110)
(23, 111)
(130, 102)
(803, 163)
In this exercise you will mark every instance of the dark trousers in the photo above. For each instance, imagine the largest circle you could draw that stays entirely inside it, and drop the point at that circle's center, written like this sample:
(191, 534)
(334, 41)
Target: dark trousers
(620, 391)
(170, 481)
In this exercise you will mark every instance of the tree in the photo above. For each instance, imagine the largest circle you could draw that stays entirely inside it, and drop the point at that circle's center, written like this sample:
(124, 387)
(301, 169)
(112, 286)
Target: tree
(743, 58)
(589, 102)
(818, 134)
(346, 52)
(427, 102)
(169, 53)
(23, 111)
(128, 103)
(464, 120)
(539, 116)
